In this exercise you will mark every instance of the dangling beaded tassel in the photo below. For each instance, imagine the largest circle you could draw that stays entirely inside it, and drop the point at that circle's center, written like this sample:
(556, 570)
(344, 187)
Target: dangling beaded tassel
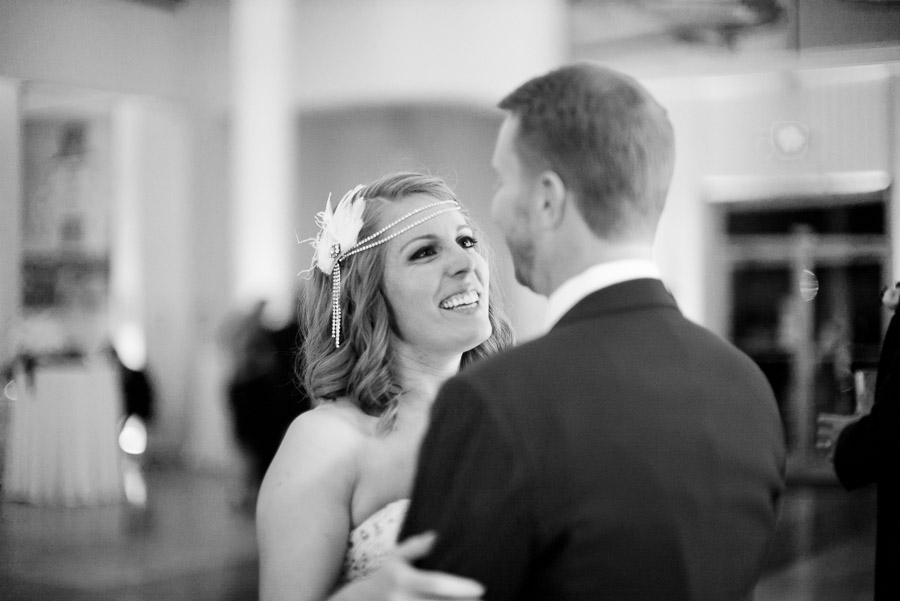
(336, 296)
(365, 244)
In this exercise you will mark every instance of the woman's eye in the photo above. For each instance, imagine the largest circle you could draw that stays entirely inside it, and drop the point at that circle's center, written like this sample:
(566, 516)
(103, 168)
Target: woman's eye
(425, 251)
(467, 241)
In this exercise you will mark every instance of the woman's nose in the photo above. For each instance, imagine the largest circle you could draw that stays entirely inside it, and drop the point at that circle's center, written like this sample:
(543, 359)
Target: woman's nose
(462, 260)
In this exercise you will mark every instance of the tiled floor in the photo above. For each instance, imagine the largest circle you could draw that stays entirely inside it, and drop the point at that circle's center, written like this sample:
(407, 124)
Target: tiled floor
(188, 543)
(824, 548)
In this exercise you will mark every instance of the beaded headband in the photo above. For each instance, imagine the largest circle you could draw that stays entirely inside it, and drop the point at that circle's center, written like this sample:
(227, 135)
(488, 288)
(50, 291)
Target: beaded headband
(338, 239)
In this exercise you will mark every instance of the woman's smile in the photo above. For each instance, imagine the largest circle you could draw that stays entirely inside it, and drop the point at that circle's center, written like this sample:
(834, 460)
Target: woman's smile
(463, 300)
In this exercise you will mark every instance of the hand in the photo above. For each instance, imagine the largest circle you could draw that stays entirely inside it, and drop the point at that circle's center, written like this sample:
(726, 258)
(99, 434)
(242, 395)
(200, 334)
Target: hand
(398, 580)
(890, 297)
(830, 426)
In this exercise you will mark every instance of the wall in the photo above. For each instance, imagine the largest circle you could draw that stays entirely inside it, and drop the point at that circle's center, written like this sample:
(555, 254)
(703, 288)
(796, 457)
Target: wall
(832, 23)
(102, 44)
(164, 73)
(843, 109)
(679, 250)
(352, 51)
(724, 127)
(10, 216)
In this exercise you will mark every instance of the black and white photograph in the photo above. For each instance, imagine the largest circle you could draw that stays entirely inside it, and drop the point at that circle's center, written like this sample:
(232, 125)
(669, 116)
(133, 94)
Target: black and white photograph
(501, 300)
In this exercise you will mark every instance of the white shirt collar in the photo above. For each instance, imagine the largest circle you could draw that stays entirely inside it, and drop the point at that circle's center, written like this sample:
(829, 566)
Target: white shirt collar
(592, 279)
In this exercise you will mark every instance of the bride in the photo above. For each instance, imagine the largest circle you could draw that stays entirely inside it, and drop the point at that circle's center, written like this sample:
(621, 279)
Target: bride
(398, 300)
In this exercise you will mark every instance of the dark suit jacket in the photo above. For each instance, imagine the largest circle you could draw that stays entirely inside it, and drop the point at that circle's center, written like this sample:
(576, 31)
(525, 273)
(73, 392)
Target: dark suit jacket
(628, 454)
(868, 451)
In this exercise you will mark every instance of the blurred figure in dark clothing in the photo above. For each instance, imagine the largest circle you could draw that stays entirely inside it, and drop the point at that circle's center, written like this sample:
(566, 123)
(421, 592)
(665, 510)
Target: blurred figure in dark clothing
(865, 449)
(137, 390)
(263, 395)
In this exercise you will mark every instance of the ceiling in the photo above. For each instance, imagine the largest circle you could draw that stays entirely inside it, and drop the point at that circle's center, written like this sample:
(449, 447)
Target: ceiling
(613, 28)
(672, 36)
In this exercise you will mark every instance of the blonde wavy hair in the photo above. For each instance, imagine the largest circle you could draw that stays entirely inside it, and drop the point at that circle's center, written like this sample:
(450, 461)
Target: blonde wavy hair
(363, 368)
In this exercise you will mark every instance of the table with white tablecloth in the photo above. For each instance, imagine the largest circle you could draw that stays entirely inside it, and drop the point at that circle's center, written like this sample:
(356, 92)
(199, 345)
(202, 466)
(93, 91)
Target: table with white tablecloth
(62, 440)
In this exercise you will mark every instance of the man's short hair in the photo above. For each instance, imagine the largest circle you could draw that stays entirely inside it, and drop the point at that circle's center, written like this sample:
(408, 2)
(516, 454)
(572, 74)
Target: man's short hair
(607, 138)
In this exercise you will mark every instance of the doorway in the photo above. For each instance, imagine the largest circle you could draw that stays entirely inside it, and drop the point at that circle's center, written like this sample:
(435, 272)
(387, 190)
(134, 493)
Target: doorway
(802, 279)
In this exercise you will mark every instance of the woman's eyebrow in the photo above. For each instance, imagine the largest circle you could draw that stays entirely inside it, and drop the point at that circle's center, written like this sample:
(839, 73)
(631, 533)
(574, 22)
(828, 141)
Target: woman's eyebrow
(429, 237)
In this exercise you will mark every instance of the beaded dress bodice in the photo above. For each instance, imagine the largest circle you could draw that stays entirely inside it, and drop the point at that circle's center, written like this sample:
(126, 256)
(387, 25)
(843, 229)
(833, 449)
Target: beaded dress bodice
(372, 540)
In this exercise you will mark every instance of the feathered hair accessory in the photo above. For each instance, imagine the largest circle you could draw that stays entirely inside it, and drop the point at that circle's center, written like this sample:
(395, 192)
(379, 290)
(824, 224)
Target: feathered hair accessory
(338, 229)
(338, 238)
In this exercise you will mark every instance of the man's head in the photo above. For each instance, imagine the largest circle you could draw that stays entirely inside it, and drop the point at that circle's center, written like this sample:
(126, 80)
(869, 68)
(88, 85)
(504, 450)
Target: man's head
(596, 138)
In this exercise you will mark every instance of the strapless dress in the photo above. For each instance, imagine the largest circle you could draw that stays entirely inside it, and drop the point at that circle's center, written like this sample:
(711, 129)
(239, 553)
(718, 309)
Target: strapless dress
(372, 540)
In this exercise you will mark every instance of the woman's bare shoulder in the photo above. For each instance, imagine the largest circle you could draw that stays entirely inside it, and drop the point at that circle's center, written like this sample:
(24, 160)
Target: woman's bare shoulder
(303, 510)
(335, 418)
(330, 432)
(320, 448)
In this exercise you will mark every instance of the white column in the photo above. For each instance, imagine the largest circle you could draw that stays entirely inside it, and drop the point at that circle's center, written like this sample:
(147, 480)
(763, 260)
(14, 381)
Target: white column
(150, 281)
(263, 158)
(10, 218)
(126, 280)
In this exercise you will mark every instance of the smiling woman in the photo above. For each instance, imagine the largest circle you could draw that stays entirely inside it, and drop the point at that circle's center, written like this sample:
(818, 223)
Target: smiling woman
(437, 284)
(369, 320)
(399, 299)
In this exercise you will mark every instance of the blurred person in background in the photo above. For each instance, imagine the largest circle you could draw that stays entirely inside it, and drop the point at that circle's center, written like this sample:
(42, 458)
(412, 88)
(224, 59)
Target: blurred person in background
(399, 299)
(137, 390)
(865, 449)
(264, 395)
(629, 453)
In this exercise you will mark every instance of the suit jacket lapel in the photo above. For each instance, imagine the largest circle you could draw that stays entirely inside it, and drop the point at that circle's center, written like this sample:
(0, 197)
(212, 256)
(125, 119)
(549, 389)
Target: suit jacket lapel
(625, 296)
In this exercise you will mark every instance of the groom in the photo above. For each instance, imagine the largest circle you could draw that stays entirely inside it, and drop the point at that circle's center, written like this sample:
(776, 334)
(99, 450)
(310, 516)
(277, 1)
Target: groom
(629, 453)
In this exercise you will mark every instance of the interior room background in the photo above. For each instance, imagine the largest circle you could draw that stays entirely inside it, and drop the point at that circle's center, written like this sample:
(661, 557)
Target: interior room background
(160, 176)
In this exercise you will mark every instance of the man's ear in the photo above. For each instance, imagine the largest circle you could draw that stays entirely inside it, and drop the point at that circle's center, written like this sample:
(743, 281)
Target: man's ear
(553, 197)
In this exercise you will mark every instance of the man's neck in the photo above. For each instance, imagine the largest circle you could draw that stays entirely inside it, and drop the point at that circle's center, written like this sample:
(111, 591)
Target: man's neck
(568, 266)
